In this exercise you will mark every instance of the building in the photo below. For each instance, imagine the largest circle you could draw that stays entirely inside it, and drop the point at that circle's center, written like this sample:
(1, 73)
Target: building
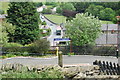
(2, 17)
(108, 36)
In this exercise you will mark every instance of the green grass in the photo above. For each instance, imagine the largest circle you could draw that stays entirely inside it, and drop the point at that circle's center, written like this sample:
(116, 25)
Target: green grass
(105, 22)
(56, 18)
(4, 6)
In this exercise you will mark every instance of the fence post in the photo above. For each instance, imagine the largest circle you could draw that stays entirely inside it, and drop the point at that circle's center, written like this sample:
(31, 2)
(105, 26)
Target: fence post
(60, 59)
(117, 51)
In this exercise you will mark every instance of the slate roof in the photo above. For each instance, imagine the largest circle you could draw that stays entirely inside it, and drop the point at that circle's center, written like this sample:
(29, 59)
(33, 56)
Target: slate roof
(3, 16)
(110, 26)
(111, 38)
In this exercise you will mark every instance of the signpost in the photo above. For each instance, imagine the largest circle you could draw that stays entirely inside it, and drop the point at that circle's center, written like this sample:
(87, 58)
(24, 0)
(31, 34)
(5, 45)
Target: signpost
(65, 39)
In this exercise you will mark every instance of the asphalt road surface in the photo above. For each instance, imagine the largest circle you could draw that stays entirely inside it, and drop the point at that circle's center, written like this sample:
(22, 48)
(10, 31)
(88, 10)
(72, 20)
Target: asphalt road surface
(72, 60)
(53, 28)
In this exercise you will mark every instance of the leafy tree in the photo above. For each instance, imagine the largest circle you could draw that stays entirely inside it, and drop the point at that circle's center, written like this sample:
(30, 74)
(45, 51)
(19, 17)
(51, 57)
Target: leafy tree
(3, 35)
(81, 6)
(83, 29)
(94, 10)
(38, 4)
(25, 17)
(107, 14)
(10, 29)
(65, 6)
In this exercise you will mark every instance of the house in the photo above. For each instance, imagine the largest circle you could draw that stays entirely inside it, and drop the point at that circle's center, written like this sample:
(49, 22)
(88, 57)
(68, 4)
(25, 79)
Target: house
(54, 10)
(109, 35)
(40, 9)
(2, 17)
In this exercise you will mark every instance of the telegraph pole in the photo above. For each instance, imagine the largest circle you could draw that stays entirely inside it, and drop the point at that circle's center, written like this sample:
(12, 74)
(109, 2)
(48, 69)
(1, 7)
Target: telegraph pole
(118, 37)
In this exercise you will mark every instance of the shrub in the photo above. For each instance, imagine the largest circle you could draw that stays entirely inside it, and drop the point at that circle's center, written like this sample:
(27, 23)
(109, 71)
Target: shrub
(2, 12)
(10, 55)
(12, 47)
(39, 46)
(43, 23)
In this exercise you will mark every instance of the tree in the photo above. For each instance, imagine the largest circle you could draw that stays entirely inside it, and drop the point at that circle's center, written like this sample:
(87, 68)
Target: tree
(38, 4)
(65, 6)
(107, 14)
(25, 17)
(94, 10)
(9, 29)
(81, 6)
(3, 35)
(83, 29)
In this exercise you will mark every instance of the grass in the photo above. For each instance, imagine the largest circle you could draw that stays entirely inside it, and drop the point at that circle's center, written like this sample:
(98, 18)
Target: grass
(56, 18)
(61, 19)
(107, 22)
(4, 6)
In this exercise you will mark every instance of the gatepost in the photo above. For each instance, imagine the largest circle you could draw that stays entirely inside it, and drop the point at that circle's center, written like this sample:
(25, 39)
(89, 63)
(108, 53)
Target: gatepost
(60, 59)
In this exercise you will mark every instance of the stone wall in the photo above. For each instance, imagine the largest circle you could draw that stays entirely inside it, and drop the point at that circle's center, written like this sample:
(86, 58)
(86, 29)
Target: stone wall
(91, 72)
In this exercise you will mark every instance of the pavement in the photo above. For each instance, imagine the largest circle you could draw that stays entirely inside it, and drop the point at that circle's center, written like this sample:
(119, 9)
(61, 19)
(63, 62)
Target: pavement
(72, 60)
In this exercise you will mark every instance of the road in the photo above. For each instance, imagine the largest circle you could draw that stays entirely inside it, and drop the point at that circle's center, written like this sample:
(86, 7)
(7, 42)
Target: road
(53, 28)
(72, 60)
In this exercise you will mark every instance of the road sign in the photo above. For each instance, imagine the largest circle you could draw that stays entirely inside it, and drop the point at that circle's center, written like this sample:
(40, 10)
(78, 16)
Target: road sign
(61, 39)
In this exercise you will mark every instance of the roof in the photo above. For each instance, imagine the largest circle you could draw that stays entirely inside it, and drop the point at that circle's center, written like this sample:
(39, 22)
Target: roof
(111, 39)
(3, 15)
(110, 26)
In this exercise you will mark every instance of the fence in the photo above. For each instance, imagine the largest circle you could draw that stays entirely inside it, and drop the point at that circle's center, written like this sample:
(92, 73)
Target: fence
(108, 68)
(78, 50)
(88, 50)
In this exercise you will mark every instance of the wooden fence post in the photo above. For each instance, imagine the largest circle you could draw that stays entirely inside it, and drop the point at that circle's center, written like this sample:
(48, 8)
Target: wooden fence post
(60, 59)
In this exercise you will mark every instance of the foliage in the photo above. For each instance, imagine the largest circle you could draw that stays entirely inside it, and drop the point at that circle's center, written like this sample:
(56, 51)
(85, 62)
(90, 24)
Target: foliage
(12, 47)
(25, 17)
(2, 11)
(65, 6)
(47, 74)
(38, 4)
(43, 23)
(69, 13)
(48, 31)
(54, 4)
(107, 14)
(83, 29)
(47, 11)
(81, 6)
(40, 46)
(9, 28)
(3, 34)
(94, 10)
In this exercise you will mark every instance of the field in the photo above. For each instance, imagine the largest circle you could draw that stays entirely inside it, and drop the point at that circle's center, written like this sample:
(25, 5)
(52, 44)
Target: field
(56, 18)
(61, 19)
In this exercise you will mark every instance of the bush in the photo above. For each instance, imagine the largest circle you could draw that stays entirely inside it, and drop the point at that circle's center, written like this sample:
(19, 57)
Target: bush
(43, 23)
(2, 12)
(12, 47)
(39, 46)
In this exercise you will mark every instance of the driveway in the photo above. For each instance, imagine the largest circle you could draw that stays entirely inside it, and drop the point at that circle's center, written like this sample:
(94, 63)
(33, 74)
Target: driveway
(72, 60)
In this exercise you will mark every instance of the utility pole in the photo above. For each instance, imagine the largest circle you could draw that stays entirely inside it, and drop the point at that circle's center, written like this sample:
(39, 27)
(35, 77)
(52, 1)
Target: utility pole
(118, 36)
